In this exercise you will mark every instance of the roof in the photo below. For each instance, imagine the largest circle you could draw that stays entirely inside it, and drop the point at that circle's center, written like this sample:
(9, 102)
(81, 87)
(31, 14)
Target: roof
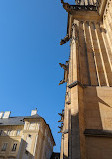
(19, 120)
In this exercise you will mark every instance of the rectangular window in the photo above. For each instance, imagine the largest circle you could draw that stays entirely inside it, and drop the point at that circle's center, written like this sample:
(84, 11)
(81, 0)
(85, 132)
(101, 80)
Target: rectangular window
(1, 131)
(8, 132)
(18, 132)
(14, 147)
(4, 147)
(32, 126)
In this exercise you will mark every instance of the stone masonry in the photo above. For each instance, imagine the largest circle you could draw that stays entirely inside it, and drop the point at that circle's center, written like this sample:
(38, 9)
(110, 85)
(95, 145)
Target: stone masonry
(87, 125)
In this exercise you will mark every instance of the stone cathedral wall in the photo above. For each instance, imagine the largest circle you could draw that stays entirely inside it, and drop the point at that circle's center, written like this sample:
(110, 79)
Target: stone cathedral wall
(90, 67)
(98, 122)
(95, 69)
(95, 54)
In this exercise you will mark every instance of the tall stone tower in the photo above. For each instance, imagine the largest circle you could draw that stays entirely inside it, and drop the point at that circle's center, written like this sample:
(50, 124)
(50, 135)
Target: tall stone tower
(87, 117)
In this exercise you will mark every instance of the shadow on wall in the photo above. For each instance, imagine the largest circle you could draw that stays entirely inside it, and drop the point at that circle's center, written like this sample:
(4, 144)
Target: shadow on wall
(94, 108)
(97, 115)
(13, 149)
(91, 109)
(65, 157)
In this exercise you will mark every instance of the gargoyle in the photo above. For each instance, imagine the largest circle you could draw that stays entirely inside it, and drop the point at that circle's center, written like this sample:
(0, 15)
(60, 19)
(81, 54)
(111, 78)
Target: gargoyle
(61, 127)
(61, 114)
(66, 39)
(62, 81)
(60, 120)
(66, 6)
(65, 67)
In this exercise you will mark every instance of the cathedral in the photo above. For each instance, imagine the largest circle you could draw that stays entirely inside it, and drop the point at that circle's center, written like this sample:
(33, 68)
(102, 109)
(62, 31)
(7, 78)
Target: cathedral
(86, 121)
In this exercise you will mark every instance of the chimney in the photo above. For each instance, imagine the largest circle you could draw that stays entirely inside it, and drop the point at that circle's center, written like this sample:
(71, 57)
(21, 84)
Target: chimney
(7, 114)
(33, 112)
(1, 115)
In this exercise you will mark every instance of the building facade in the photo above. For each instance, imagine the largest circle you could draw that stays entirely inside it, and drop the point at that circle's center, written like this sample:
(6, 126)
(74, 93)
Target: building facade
(27, 137)
(87, 118)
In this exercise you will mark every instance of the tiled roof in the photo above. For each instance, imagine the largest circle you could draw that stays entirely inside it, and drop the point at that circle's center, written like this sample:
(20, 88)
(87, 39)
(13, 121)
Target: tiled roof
(16, 120)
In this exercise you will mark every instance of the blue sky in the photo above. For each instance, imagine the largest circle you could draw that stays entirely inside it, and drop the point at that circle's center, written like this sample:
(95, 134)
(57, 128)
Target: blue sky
(30, 33)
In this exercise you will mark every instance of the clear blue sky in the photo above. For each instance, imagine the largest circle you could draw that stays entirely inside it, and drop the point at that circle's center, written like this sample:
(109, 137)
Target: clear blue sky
(30, 33)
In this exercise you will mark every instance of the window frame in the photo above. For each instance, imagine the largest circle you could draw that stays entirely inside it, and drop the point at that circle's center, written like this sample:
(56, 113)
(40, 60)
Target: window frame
(8, 132)
(18, 134)
(4, 148)
(14, 147)
(1, 132)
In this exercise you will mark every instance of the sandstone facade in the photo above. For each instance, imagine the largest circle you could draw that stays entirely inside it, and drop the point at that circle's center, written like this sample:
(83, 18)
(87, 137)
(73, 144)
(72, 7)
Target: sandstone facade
(87, 129)
(27, 137)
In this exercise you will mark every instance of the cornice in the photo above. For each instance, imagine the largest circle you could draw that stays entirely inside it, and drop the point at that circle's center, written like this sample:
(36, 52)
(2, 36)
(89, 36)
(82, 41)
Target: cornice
(70, 8)
(80, 13)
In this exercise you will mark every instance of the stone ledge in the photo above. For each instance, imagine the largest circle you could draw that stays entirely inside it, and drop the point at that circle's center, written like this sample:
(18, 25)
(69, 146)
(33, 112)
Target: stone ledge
(75, 83)
(98, 132)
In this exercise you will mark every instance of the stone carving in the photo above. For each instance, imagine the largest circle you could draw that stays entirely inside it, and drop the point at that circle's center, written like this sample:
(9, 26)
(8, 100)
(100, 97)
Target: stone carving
(62, 120)
(80, 5)
(61, 128)
(62, 116)
(61, 82)
(66, 39)
(65, 67)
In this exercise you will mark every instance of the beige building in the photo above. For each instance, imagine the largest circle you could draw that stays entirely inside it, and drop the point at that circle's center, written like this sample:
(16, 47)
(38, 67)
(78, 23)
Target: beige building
(87, 117)
(26, 137)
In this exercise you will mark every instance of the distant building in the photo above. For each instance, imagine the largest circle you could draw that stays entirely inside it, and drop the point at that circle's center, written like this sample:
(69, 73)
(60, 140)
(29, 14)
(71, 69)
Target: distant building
(26, 137)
